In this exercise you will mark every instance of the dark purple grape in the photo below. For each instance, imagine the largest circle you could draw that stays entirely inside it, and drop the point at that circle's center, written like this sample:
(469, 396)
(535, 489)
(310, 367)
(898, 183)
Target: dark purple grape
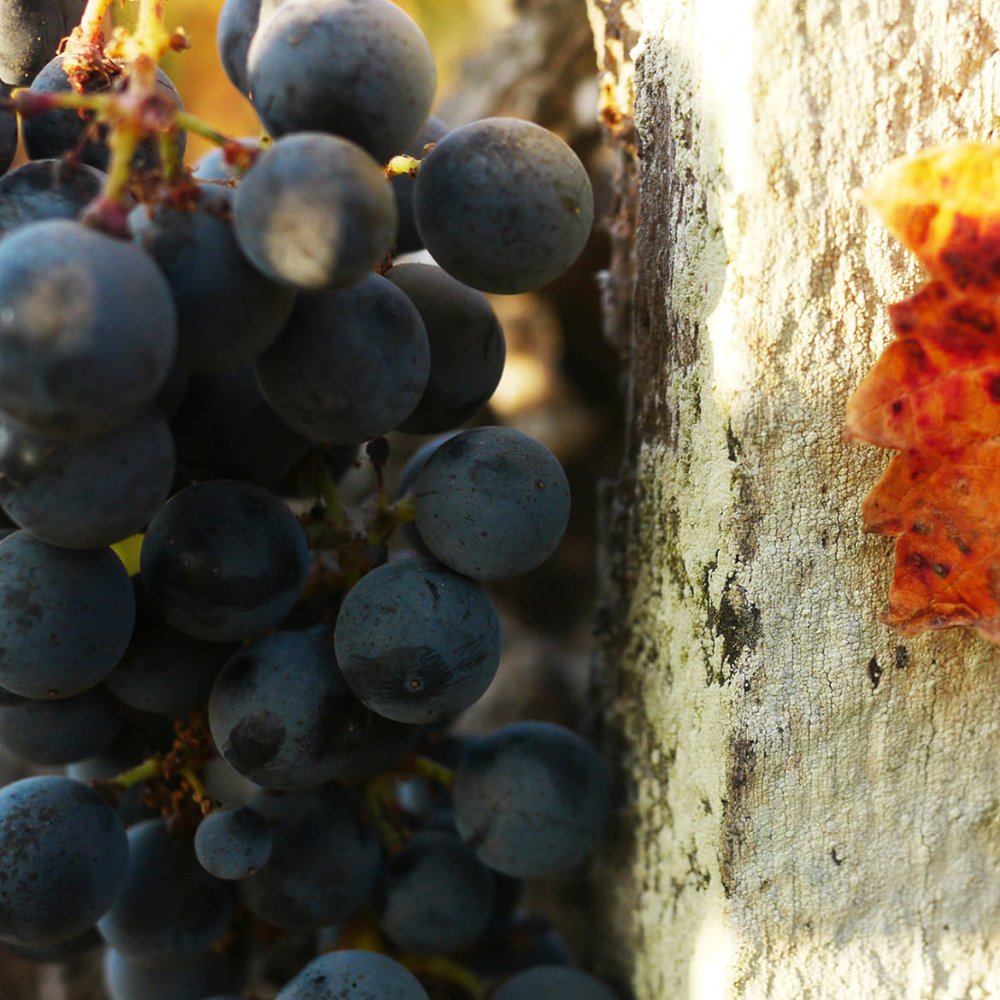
(435, 896)
(66, 854)
(361, 70)
(238, 20)
(503, 205)
(224, 561)
(85, 493)
(283, 716)
(354, 975)
(466, 344)
(323, 863)
(315, 211)
(163, 671)
(46, 189)
(169, 908)
(51, 135)
(351, 365)
(548, 982)
(233, 843)
(65, 616)
(224, 429)
(191, 979)
(58, 732)
(531, 798)
(227, 311)
(30, 33)
(491, 503)
(87, 331)
(417, 642)
(407, 238)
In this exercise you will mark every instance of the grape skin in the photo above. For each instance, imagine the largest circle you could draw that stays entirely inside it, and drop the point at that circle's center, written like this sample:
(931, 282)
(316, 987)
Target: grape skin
(58, 732)
(323, 864)
(435, 896)
(360, 69)
(163, 671)
(65, 616)
(71, 856)
(491, 503)
(282, 714)
(354, 975)
(192, 909)
(224, 429)
(46, 189)
(227, 311)
(531, 798)
(314, 211)
(90, 492)
(190, 979)
(224, 561)
(233, 843)
(87, 329)
(417, 642)
(503, 205)
(351, 365)
(546, 982)
(467, 347)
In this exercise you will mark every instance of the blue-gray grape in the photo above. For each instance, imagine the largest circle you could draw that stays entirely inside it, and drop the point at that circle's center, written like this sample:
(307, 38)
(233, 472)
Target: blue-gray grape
(30, 33)
(88, 330)
(315, 211)
(227, 311)
(46, 189)
(361, 70)
(467, 347)
(549, 982)
(354, 975)
(58, 731)
(224, 561)
(491, 503)
(169, 908)
(531, 798)
(323, 864)
(233, 843)
(435, 896)
(65, 616)
(503, 205)
(417, 642)
(66, 854)
(85, 493)
(351, 365)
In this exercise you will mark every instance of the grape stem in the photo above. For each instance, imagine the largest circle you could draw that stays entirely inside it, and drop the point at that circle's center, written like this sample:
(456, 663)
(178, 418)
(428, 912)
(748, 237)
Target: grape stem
(400, 165)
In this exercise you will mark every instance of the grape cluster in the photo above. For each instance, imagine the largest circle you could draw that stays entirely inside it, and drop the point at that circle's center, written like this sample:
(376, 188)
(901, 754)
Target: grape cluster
(255, 724)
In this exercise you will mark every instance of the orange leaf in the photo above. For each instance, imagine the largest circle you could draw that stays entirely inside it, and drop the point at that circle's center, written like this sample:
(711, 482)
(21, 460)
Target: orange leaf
(934, 394)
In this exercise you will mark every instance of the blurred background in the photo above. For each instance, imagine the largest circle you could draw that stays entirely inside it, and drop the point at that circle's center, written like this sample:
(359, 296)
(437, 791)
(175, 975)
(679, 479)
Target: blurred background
(531, 59)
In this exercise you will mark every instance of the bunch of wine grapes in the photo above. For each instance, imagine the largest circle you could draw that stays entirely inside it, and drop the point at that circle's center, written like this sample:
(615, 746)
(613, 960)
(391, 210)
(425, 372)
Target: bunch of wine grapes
(255, 722)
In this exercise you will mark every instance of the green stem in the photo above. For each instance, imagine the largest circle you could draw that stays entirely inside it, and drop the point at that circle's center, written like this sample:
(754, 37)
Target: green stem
(192, 123)
(151, 768)
(431, 769)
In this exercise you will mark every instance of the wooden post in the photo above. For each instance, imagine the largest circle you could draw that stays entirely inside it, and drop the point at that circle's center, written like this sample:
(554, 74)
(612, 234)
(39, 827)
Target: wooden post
(810, 804)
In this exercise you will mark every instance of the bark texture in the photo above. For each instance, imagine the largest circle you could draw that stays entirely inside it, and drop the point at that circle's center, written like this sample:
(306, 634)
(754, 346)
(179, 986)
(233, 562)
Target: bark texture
(811, 805)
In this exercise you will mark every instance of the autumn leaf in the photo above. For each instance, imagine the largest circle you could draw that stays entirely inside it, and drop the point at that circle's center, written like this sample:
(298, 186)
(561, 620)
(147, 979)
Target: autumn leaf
(934, 394)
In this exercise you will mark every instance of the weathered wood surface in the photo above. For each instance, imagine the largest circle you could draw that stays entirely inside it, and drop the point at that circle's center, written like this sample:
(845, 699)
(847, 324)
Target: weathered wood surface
(811, 805)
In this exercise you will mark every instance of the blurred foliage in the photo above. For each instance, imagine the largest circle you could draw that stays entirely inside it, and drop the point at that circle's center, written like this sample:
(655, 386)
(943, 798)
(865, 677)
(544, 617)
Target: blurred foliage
(454, 28)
